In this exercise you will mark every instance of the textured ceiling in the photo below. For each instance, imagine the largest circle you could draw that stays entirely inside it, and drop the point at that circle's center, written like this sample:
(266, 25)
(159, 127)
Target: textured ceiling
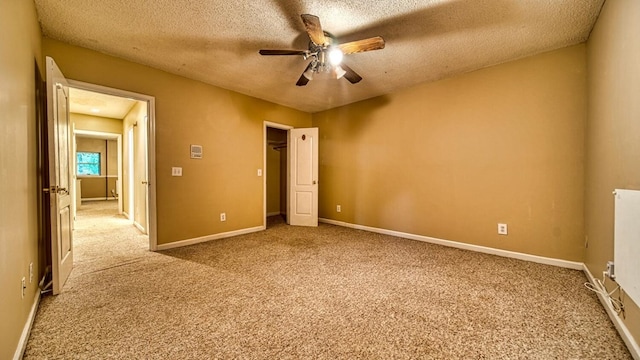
(217, 41)
(96, 104)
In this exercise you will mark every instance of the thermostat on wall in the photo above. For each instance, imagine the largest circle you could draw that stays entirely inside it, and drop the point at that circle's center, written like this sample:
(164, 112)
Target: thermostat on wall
(196, 151)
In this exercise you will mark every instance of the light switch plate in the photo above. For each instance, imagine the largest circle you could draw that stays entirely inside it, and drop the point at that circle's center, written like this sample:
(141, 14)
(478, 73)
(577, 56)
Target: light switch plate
(176, 171)
(259, 172)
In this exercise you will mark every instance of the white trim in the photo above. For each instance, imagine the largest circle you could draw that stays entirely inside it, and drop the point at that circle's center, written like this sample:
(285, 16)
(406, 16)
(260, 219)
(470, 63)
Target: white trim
(104, 135)
(477, 248)
(202, 239)
(274, 213)
(152, 217)
(151, 149)
(98, 199)
(626, 336)
(26, 331)
(268, 124)
(139, 227)
(97, 176)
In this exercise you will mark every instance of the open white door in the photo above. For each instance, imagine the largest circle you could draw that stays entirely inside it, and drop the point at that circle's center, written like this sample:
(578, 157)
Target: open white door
(59, 141)
(140, 175)
(302, 207)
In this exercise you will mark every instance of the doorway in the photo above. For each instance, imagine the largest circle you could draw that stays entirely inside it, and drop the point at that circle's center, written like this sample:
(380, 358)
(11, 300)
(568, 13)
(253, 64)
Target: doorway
(97, 159)
(101, 114)
(275, 180)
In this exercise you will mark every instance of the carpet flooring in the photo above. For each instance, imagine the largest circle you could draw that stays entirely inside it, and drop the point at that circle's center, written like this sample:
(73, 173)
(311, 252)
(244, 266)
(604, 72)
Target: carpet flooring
(311, 293)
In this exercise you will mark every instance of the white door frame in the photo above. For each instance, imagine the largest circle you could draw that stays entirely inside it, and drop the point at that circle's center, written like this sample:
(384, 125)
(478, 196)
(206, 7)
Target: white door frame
(152, 226)
(104, 136)
(268, 124)
(130, 171)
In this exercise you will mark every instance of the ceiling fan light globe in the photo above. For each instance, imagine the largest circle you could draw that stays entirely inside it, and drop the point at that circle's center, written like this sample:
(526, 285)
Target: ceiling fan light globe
(335, 56)
(308, 74)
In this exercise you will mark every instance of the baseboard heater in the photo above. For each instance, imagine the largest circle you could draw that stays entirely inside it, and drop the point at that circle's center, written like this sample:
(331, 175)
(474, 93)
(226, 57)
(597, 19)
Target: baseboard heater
(626, 240)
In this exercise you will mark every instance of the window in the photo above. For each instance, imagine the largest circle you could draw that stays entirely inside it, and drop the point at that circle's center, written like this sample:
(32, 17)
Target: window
(88, 163)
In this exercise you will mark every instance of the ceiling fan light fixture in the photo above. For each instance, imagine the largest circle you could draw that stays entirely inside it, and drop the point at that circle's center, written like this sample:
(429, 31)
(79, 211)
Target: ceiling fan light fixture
(326, 53)
(308, 74)
(335, 56)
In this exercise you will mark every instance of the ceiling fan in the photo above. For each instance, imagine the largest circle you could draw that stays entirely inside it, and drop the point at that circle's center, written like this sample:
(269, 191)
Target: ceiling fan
(326, 54)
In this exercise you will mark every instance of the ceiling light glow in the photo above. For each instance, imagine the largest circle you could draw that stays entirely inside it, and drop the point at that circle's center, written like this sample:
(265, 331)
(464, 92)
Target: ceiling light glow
(335, 56)
(95, 110)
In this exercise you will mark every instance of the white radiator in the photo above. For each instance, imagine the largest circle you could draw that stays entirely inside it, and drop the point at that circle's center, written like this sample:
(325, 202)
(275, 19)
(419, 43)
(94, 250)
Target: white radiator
(627, 242)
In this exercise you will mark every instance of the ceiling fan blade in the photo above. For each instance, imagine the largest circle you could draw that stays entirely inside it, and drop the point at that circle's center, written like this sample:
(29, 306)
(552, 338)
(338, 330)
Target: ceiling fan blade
(303, 79)
(314, 29)
(374, 43)
(350, 75)
(282, 52)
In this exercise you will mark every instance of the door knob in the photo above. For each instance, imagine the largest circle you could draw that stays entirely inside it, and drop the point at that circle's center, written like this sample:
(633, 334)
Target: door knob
(56, 189)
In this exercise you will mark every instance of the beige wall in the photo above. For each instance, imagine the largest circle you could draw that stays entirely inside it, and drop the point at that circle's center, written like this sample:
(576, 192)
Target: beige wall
(283, 181)
(96, 123)
(228, 125)
(613, 130)
(453, 158)
(94, 188)
(273, 181)
(19, 49)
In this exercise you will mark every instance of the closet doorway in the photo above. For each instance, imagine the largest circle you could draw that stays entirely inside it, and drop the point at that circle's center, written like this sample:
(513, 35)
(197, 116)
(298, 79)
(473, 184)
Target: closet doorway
(275, 180)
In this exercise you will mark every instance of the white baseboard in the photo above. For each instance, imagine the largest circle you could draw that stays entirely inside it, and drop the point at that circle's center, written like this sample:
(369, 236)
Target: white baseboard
(26, 331)
(140, 227)
(201, 239)
(626, 336)
(483, 249)
(273, 213)
(622, 329)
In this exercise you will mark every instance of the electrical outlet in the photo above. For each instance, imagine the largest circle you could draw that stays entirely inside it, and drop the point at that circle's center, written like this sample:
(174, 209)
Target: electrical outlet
(223, 217)
(611, 273)
(338, 208)
(502, 229)
(24, 286)
(30, 272)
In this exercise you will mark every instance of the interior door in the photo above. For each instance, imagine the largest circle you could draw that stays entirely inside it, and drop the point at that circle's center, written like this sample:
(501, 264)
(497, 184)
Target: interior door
(302, 209)
(59, 141)
(140, 175)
